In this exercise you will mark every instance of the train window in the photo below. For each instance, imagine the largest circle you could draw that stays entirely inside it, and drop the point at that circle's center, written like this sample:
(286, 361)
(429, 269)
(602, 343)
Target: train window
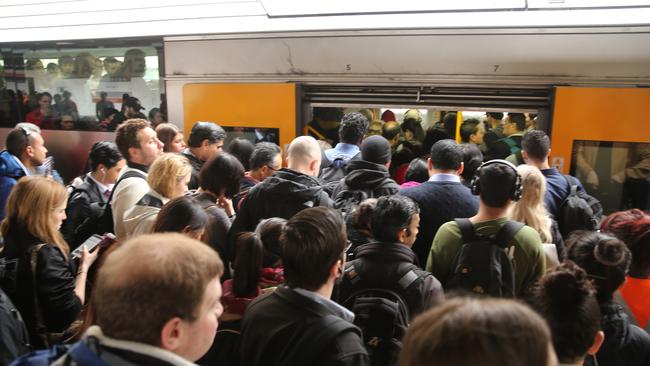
(617, 173)
(252, 134)
(82, 88)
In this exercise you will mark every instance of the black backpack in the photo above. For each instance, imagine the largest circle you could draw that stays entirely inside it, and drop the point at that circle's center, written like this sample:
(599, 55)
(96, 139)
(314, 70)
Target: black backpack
(382, 314)
(88, 226)
(348, 199)
(483, 264)
(579, 210)
(104, 223)
(14, 339)
(332, 173)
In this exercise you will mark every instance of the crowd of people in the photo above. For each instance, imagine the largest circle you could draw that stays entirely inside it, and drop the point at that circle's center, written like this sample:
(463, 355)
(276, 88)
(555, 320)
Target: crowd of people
(394, 246)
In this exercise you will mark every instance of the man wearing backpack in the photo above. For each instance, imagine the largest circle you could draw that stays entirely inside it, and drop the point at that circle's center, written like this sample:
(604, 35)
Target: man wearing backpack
(384, 271)
(299, 324)
(443, 197)
(352, 130)
(367, 177)
(139, 144)
(489, 254)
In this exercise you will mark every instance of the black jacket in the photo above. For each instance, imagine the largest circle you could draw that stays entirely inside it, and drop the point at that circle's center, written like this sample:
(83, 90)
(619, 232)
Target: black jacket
(499, 149)
(217, 230)
(272, 322)
(625, 344)
(84, 202)
(366, 176)
(377, 265)
(281, 195)
(55, 285)
(197, 164)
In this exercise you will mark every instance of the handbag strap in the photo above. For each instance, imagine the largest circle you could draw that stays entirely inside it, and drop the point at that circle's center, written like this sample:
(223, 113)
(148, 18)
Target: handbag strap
(41, 330)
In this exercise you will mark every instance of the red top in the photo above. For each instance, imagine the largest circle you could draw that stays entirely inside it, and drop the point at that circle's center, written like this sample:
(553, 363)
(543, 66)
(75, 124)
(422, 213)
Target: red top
(269, 279)
(636, 292)
(39, 119)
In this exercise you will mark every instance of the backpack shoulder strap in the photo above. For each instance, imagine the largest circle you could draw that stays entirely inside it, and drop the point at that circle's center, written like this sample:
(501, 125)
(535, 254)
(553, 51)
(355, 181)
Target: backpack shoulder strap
(407, 275)
(507, 233)
(318, 335)
(80, 353)
(466, 230)
(130, 174)
(573, 188)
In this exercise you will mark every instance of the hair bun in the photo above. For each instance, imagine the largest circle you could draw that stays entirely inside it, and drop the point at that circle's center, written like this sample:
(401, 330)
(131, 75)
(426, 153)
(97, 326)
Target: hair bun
(610, 252)
(566, 286)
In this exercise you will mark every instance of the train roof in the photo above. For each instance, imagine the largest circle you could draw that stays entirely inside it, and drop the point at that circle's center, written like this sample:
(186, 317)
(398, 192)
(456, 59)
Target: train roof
(23, 21)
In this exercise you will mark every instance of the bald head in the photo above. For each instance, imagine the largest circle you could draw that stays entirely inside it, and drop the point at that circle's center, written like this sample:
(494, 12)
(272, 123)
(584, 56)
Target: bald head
(304, 155)
(391, 131)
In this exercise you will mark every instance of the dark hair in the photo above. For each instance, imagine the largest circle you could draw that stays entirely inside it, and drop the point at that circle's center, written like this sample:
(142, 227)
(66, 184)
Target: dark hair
(446, 155)
(633, 228)
(256, 250)
(449, 122)
(418, 171)
(431, 136)
(327, 113)
(409, 124)
(17, 141)
(205, 131)
(392, 214)
(390, 130)
(495, 115)
(152, 113)
(605, 258)
(105, 153)
(468, 128)
(312, 241)
(263, 154)
(126, 135)
(242, 149)
(222, 174)
(353, 127)
(565, 298)
(497, 183)
(361, 216)
(519, 119)
(536, 144)
(501, 333)
(472, 159)
(166, 133)
(179, 214)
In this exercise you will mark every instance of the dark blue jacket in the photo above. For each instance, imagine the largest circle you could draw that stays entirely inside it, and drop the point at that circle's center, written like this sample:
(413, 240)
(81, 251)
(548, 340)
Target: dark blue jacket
(10, 172)
(439, 202)
(557, 190)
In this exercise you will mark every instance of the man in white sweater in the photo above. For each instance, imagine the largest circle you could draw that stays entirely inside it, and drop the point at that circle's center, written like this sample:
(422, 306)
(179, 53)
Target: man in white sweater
(138, 143)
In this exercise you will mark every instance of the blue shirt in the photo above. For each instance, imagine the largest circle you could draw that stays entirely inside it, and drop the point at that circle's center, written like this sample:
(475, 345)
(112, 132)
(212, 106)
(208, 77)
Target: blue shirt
(343, 151)
(557, 189)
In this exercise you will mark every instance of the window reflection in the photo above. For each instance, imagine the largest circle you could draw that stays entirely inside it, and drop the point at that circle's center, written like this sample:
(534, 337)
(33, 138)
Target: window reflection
(617, 173)
(82, 89)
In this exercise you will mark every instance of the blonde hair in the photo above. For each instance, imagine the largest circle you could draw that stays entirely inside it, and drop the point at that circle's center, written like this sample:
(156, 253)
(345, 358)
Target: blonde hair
(530, 208)
(30, 206)
(166, 172)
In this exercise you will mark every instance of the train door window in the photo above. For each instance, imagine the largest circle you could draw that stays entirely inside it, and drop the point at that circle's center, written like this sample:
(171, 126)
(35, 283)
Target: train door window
(252, 134)
(617, 173)
(81, 86)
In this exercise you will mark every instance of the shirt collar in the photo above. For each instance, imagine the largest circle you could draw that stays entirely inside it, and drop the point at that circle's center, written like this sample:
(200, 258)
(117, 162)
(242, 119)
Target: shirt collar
(22, 166)
(102, 187)
(346, 148)
(444, 177)
(329, 304)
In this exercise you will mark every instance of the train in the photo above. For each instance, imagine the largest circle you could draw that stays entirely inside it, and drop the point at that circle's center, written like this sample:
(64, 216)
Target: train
(262, 67)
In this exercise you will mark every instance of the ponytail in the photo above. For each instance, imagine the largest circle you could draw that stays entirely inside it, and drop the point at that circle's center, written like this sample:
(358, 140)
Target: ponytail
(247, 264)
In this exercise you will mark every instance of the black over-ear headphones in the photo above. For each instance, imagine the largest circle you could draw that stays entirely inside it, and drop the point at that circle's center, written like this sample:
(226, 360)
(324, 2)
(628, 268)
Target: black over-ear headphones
(475, 184)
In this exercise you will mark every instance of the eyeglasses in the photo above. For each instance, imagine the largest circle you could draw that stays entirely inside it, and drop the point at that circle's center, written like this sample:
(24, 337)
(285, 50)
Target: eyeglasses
(26, 131)
(272, 168)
